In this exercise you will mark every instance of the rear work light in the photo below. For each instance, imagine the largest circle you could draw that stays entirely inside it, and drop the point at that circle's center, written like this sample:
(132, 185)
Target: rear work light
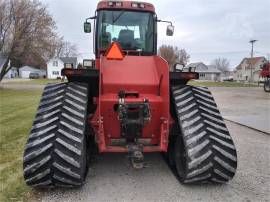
(68, 65)
(137, 5)
(115, 3)
(134, 5)
(118, 4)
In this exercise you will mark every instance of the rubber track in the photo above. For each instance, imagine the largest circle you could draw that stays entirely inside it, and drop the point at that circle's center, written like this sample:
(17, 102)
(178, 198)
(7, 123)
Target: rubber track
(55, 151)
(211, 154)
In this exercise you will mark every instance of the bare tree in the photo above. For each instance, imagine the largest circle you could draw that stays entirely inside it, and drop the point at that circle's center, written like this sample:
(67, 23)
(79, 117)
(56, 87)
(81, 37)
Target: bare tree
(183, 57)
(65, 49)
(27, 33)
(173, 54)
(221, 64)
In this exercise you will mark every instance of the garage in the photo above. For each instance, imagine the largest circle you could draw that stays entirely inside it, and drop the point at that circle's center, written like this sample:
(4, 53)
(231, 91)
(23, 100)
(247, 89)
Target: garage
(25, 74)
(25, 71)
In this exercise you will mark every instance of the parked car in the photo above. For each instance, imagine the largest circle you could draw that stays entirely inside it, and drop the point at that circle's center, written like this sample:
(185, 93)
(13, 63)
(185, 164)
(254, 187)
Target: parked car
(34, 75)
(230, 78)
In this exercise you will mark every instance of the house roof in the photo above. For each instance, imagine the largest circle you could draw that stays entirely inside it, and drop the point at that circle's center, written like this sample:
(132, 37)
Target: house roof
(213, 69)
(28, 68)
(195, 64)
(251, 61)
(72, 60)
(202, 68)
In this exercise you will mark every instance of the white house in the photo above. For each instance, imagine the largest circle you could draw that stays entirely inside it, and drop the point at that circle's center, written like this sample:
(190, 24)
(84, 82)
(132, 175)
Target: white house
(249, 69)
(55, 65)
(206, 72)
(12, 73)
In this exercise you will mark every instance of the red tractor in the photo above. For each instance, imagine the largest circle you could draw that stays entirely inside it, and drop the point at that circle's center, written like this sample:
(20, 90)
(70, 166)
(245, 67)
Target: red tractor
(265, 73)
(129, 102)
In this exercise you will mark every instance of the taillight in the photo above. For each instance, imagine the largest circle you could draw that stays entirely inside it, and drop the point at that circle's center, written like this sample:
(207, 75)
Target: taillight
(68, 72)
(190, 75)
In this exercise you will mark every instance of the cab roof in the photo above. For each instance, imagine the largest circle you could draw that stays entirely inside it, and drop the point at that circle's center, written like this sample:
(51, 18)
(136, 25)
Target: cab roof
(125, 5)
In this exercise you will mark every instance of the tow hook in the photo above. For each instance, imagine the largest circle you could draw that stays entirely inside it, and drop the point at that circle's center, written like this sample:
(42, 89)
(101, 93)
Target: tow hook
(135, 155)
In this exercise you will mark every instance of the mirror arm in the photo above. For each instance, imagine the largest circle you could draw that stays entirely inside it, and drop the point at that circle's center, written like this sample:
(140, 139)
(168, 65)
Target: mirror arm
(165, 21)
(90, 18)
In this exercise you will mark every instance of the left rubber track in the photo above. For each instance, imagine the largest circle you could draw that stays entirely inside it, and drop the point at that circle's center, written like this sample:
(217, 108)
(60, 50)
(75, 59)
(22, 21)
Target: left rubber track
(55, 153)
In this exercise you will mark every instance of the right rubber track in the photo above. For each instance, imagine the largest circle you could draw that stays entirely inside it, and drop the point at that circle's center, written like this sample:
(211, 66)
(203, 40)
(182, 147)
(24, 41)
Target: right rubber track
(55, 154)
(209, 151)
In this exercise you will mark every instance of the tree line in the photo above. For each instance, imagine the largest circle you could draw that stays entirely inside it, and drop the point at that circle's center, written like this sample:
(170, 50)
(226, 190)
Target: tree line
(28, 35)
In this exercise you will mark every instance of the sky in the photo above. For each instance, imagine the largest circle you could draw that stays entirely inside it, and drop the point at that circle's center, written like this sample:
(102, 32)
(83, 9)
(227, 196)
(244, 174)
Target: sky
(207, 29)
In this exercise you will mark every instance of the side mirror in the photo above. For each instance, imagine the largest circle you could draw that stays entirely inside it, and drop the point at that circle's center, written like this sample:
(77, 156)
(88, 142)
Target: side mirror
(170, 30)
(87, 27)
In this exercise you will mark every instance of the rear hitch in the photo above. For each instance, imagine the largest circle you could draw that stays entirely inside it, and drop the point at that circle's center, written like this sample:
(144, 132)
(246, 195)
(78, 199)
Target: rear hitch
(135, 155)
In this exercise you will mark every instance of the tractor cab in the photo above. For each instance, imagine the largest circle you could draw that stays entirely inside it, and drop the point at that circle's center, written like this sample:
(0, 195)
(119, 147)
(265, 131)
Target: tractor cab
(132, 25)
(134, 31)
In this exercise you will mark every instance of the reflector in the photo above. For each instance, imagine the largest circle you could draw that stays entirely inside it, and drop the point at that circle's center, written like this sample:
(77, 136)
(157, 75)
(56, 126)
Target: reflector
(114, 52)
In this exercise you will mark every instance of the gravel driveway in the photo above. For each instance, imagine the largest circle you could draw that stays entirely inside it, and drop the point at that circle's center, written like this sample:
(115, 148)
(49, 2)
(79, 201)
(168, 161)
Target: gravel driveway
(247, 106)
(112, 179)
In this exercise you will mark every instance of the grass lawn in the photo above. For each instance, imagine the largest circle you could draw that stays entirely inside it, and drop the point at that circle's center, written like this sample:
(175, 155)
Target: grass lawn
(17, 110)
(220, 84)
(34, 81)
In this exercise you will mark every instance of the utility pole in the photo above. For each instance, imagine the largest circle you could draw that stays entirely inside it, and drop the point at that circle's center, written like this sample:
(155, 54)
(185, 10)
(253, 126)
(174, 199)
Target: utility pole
(252, 41)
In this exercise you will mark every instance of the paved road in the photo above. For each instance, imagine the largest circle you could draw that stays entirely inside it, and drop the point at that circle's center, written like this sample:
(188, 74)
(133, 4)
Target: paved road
(112, 179)
(248, 106)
